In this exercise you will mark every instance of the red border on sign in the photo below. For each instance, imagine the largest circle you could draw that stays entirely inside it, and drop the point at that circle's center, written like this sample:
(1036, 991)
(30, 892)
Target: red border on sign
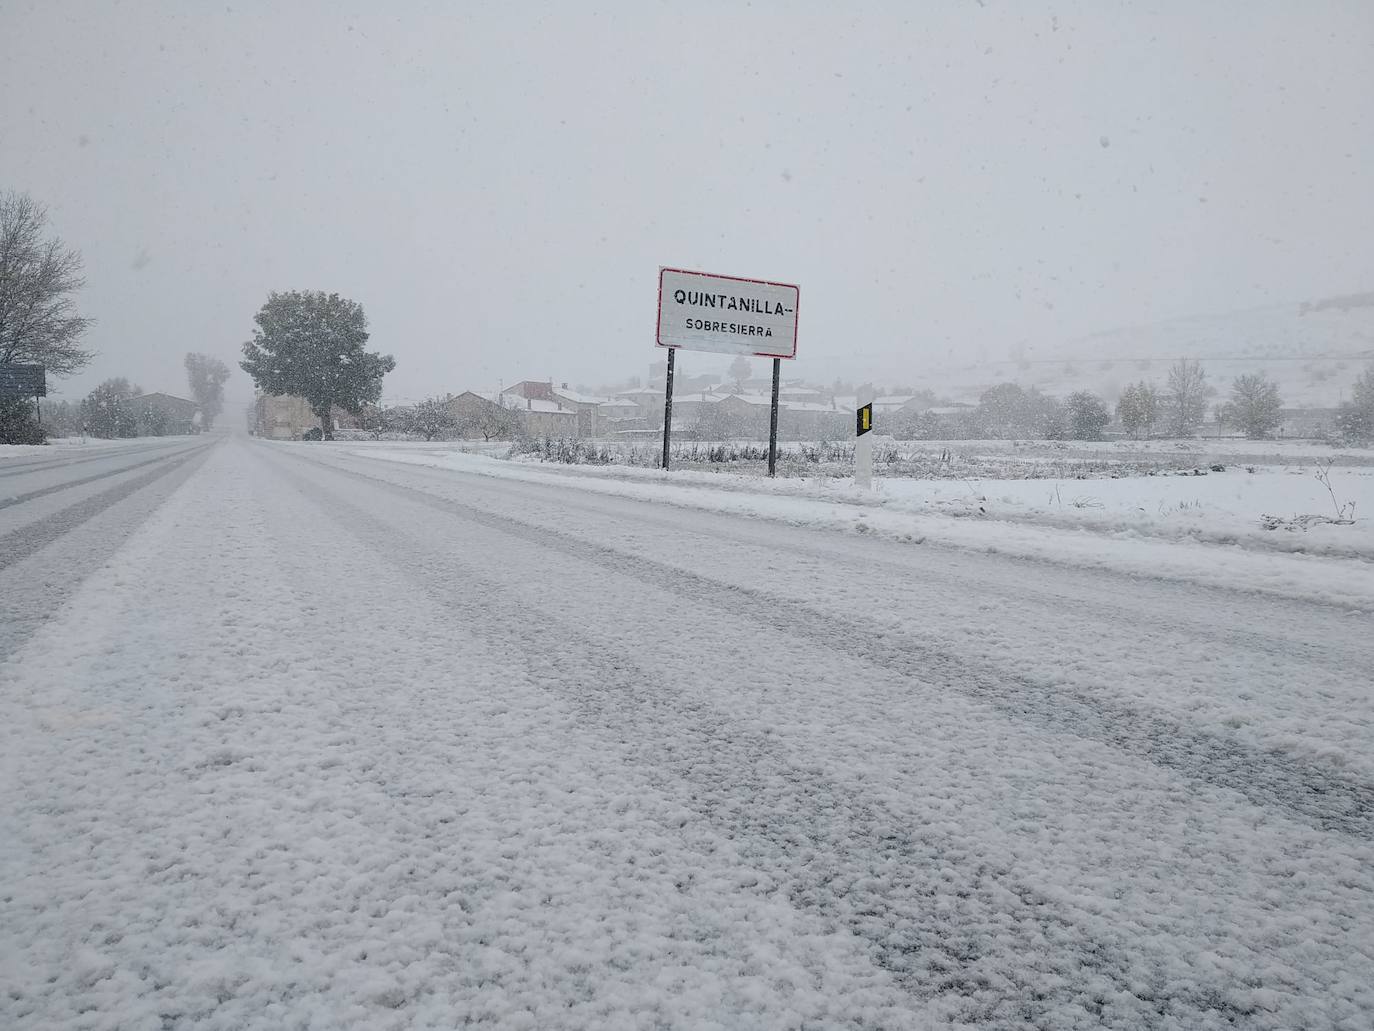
(658, 342)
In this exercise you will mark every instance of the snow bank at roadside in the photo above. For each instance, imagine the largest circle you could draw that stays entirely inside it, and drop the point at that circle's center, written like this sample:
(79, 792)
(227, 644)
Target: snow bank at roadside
(57, 447)
(1326, 564)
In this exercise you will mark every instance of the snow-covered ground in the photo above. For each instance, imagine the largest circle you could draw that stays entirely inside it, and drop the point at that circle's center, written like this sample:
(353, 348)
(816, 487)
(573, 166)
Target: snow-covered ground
(1204, 529)
(59, 447)
(318, 736)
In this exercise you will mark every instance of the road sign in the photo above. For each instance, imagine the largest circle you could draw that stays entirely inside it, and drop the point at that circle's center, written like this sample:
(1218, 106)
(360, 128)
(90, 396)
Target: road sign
(22, 381)
(863, 421)
(726, 314)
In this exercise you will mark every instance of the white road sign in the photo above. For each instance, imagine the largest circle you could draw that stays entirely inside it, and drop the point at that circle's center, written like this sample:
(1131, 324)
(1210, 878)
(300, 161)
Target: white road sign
(726, 314)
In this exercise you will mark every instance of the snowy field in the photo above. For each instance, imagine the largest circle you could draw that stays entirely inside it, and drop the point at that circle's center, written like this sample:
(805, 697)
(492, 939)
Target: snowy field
(384, 736)
(1205, 528)
(954, 459)
(65, 447)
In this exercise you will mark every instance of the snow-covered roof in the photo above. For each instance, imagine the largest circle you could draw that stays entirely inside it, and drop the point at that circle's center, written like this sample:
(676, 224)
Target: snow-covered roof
(158, 397)
(699, 397)
(583, 399)
(750, 399)
(516, 403)
(539, 405)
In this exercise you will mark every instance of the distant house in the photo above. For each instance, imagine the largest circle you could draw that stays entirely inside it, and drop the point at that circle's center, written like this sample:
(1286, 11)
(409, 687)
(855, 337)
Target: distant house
(161, 414)
(814, 420)
(688, 407)
(895, 404)
(283, 417)
(802, 395)
(287, 417)
(531, 389)
(543, 418)
(587, 406)
(546, 413)
(483, 416)
(648, 403)
(737, 415)
(620, 415)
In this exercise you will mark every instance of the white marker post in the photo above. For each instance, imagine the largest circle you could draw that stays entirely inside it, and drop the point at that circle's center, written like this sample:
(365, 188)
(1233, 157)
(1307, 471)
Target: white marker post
(863, 442)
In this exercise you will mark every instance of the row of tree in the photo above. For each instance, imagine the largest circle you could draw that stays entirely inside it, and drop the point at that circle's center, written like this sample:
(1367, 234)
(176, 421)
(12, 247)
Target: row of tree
(39, 324)
(116, 408)
(1144, 409)
(435, 418)
(1005, 411)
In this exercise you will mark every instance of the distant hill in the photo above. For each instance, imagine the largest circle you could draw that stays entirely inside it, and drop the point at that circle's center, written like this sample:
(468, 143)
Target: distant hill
(1313, 350)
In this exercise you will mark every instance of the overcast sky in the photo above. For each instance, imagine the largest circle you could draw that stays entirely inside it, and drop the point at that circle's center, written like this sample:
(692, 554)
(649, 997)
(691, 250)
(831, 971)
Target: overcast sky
(499, 184)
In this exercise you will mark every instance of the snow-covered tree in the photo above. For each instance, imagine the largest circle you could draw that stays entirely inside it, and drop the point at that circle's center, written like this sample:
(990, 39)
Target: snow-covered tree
(1355, 418)
(1185, 398)
(1006, 411)
(310, 344)
(38, 318)
(61, 418)
(1088, 415)
(430, 418)
(150, 421)
(1138, 408)
(206, 376)
(108, 411)
(1254, 406)
(19, 421)
(493, 421)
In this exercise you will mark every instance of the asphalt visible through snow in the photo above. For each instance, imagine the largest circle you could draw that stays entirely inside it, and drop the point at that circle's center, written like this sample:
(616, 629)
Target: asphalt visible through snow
(296, 737)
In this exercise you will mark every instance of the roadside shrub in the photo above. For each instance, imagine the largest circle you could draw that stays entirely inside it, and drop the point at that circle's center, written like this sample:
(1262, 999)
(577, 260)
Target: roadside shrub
(18, 423)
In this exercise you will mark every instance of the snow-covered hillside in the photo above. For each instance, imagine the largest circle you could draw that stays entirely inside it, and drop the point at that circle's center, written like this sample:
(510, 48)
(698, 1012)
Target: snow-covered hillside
(1313, 350)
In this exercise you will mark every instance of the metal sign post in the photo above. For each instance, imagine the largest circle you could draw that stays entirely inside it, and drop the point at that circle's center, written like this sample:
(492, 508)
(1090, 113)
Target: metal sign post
(773, 421)
(863, 445)
(668, 407)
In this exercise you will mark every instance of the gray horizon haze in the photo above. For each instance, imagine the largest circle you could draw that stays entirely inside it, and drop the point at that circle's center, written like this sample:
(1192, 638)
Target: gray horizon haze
(498, 184)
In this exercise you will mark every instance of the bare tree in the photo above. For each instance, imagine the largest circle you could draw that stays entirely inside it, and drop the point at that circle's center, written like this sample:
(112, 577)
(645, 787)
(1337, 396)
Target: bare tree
(430, 418)
(491, 420)
(1355, 419)
(1138, 408)
(1255, 405)
(740, 371)
(1185, 398)
(38, 318)
(206, 377)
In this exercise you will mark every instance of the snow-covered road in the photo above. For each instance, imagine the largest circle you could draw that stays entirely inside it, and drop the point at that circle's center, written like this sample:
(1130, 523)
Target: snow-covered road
(298, 738)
